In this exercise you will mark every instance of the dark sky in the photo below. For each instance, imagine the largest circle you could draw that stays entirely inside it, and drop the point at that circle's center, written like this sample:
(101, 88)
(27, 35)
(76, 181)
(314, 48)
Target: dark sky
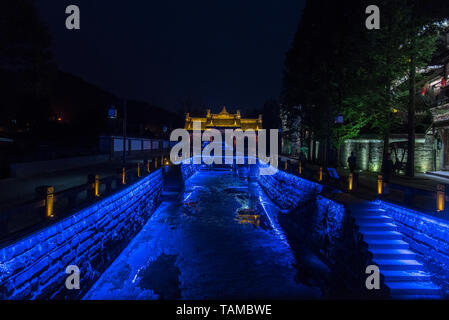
(214, 52)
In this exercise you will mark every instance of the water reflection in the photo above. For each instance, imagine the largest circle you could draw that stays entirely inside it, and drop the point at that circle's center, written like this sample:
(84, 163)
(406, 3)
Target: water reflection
(253, 219)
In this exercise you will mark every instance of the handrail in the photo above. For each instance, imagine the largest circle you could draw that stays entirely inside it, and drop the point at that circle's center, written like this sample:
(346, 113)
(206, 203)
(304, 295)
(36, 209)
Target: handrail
(437, 195)
(21, 220)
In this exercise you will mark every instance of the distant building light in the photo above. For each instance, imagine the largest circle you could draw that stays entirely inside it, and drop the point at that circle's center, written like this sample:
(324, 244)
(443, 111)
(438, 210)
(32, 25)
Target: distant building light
(112, 112)
(339, 119)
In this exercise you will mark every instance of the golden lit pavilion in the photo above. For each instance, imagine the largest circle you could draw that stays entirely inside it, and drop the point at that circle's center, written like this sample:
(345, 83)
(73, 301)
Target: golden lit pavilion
(224, 120)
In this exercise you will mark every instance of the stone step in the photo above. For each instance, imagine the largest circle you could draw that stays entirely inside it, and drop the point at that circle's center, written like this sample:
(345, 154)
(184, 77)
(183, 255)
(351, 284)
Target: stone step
(364, 227)
(172, 188)
(401, 276)
(394, 264)
(402, 273)
(169, 195)
(374, 219)
(382, 235)
(401, 254)
(416, 297)
(386, 244)
(412, 288)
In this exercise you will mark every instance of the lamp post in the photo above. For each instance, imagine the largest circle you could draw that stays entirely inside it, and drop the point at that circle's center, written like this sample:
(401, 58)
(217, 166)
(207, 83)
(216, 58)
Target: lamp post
(112, 114)
(125, 115)
(339, 121)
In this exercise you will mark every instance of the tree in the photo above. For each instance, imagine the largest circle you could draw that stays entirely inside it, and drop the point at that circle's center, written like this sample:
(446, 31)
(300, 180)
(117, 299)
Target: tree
(336, 66)
(271, 115)
(323, 72)
(422, 39)
(386, 60)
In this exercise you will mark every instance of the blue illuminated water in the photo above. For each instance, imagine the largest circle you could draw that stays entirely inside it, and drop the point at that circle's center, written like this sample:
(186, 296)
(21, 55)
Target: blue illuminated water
(196, 247)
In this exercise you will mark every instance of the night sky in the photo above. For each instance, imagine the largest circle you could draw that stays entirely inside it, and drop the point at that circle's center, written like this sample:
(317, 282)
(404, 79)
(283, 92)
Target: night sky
(212, 52)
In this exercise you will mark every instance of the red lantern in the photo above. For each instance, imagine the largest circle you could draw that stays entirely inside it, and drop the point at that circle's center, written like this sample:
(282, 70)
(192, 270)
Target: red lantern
(443, 82)
(423, 91)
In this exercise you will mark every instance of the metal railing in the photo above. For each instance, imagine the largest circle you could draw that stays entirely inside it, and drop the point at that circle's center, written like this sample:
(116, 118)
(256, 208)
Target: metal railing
(432, 201)
(51, 206)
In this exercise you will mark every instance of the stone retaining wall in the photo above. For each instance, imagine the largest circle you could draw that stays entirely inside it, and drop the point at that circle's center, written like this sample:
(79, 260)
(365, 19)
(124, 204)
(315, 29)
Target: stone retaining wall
(427, 236)
(187, 170)
(287, 190)
(368, 152)
(313, 221)
(34, 267)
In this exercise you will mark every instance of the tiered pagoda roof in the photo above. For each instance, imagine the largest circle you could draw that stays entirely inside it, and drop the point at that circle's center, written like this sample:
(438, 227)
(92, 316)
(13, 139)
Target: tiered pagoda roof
(224, 119)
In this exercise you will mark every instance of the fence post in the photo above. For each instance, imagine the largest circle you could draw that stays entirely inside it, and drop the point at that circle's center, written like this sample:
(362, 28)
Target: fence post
(148, 166)
(286, 165)
(380, 185)
(155, 163)
(300, 168)
(321, 174)
(93, 183)
(350, 181)
(138, 170)
(440, 197)
(49, 202)
(97, 186)
(123, 175)
(46, 194)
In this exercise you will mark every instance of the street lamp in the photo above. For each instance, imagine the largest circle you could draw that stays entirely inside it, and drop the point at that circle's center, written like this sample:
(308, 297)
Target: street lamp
(339, 119)
(112, 114)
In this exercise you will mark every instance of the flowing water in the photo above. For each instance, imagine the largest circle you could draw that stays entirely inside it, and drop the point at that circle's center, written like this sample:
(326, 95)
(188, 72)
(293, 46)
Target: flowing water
(219, 240)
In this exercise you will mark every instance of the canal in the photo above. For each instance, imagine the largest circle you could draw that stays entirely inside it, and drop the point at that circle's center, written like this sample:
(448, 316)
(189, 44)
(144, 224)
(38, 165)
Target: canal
(218, 240)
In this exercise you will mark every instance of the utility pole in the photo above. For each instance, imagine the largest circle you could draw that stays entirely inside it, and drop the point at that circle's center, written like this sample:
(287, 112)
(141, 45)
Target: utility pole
(125, 115)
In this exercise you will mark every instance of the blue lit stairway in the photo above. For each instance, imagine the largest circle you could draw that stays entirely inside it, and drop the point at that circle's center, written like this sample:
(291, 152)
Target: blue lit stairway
(403, 274)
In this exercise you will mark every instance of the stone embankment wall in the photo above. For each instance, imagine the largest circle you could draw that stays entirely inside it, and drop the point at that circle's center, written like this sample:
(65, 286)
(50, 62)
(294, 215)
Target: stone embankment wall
(368, 152)
(188, 169)
(287, 190)
(313, 221)
(35, 267)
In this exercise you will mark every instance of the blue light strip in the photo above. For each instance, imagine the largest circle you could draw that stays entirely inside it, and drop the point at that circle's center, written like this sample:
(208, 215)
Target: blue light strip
(274, 226)
(416, 214)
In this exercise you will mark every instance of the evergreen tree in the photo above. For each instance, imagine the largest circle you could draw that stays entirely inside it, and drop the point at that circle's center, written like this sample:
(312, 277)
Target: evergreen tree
(337, 67)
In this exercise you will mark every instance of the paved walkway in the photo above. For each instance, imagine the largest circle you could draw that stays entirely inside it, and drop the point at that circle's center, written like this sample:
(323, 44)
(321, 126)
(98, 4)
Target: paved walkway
(15, 191)
(423, 200)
